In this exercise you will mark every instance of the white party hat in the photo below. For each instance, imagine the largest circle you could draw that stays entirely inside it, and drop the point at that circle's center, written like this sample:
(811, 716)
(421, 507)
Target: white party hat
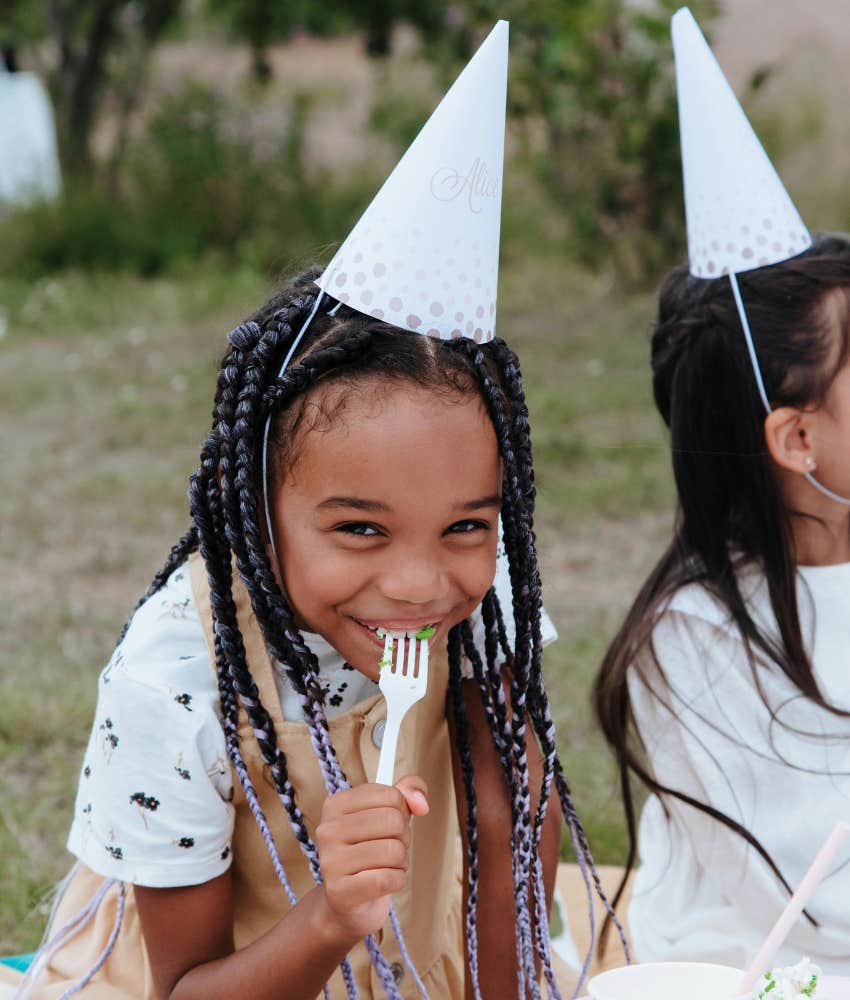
(425, 254)
(739, 214)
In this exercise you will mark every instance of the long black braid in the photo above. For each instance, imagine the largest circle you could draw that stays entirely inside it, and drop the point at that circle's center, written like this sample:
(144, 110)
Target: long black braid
(236, 418)
(540, 714)
(351, 348)
(519, 543)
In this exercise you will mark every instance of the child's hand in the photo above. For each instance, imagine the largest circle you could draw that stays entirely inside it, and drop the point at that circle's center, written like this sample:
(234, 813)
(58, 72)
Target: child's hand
(363, 839)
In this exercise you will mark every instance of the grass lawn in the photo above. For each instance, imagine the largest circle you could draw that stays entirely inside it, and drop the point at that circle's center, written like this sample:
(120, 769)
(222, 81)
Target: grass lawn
(105, 392)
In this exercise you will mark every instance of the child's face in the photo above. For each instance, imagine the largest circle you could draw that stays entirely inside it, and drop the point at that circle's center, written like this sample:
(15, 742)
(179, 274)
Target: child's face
(832, 426)
(388, 517)
(829, 423)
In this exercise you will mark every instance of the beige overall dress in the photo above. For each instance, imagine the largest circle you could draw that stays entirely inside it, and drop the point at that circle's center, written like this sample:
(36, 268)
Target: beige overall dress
(432, 929)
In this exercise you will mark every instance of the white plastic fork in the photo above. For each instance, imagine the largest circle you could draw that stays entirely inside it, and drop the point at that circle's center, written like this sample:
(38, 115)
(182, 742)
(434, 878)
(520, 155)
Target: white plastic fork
(403, 682)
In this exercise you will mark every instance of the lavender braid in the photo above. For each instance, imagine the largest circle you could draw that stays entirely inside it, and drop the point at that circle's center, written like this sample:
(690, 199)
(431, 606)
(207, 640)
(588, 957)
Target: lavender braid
(238, 500)
(515, 446)
(523, 477)
(468, 771)
(538, 700)
(273, 614)
(79, 986)
(489, 681)
(205, 499)
(202, 501)
(540, 710)
(514, 521)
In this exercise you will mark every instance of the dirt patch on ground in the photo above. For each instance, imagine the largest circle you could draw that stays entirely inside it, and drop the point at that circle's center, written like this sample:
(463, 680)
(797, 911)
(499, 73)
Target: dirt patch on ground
(599, 568)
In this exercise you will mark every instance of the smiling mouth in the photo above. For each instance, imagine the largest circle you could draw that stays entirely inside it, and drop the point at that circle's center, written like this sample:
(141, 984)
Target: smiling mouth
(380, 632)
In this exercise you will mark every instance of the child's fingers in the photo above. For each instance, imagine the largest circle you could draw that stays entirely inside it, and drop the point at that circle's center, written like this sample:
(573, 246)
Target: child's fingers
(369, 885)
(370, 856)
(371, 824)
(370, 796)
(415, 792)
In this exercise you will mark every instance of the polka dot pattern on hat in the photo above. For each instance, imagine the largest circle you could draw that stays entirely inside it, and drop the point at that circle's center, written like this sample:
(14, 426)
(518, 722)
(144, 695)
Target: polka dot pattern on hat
(437, 295)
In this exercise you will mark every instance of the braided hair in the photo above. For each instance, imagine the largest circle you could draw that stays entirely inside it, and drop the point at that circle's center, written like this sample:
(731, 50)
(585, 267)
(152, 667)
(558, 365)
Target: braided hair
(348, 348)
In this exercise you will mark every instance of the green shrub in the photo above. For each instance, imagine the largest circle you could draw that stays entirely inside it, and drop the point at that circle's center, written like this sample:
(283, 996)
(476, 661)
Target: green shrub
(592, 105)
(192, 185)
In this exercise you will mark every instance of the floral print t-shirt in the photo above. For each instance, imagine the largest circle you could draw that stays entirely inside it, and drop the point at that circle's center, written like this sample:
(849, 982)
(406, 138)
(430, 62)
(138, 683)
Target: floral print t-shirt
(154, 802)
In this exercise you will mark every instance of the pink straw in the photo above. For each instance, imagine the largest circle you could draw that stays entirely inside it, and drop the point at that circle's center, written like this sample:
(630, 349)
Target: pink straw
(796, 905)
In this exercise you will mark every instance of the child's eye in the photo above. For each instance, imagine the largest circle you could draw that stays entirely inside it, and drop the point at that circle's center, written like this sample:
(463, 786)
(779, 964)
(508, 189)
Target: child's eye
(360, 528)
(466, 527)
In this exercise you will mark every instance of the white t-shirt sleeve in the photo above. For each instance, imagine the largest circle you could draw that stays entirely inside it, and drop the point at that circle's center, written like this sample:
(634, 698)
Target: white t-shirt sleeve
(502, 585)
(154, 805)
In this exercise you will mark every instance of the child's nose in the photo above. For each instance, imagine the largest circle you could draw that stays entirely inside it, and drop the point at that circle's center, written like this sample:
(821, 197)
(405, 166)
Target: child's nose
(414, 580)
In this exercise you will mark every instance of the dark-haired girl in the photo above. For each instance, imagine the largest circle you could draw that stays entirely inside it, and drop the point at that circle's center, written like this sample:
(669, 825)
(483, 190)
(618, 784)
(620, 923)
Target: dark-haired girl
(727, 690)
(230, 838)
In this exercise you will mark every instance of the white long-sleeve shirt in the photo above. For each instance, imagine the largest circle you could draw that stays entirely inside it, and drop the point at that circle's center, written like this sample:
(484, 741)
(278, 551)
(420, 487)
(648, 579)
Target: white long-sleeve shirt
(783, 772)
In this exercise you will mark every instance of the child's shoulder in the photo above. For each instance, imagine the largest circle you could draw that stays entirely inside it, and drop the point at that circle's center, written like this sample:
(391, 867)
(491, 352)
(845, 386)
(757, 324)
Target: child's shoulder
(164, 649)
(700, 604)
(696, 601)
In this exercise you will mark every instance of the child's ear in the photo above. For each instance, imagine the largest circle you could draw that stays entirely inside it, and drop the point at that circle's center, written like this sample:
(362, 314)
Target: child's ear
(789, 435)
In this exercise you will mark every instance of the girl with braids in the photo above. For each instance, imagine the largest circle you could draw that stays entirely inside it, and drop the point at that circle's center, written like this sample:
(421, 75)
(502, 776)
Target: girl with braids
(391, 458)
(358, 476)
(726, 692)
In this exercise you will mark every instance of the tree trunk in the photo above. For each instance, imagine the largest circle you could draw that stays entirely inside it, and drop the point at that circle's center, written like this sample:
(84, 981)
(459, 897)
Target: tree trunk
(78, 82)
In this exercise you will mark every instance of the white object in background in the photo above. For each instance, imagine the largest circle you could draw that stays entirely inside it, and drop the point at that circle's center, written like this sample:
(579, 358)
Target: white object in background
(563, 944)
(425, 254)
(29, 163)
(403, 681)
(666, 981)
(739, 214)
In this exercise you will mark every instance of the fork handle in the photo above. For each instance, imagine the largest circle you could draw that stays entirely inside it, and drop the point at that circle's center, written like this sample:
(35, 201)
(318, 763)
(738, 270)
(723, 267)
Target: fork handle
(386, 761)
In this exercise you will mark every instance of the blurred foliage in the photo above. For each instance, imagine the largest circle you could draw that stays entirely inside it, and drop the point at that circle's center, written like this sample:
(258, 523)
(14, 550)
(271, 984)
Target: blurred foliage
(591, 99)
(264, 22)
(592, 96)
(99, 49)
(22, 21)
(594, 80)
(103, 47)
(193, 185)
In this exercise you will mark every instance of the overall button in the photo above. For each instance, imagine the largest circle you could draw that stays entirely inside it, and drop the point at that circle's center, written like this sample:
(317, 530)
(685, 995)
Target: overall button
(397, 969)
(378, 732)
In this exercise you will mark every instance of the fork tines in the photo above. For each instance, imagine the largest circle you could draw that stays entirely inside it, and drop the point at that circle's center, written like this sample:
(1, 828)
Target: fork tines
(395, 660)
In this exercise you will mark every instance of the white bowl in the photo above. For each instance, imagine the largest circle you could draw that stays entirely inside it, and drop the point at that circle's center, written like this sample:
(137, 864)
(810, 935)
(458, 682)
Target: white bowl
(667, 981)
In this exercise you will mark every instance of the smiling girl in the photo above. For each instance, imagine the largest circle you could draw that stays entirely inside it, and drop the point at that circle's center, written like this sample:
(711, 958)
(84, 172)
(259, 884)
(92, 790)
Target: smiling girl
(228, 834)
